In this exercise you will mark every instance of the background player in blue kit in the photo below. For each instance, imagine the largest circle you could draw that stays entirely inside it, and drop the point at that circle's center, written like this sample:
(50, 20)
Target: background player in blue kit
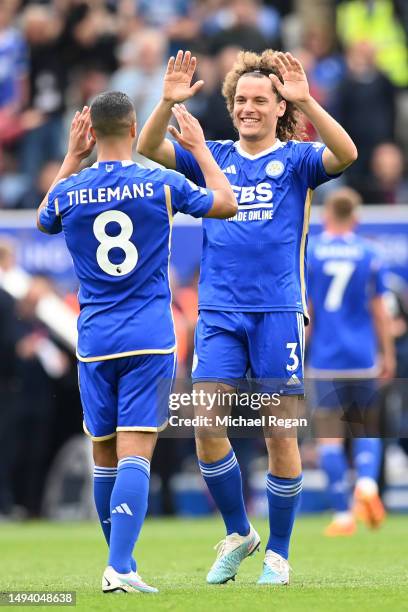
(252, 293)
(350, 328)
(116, 217)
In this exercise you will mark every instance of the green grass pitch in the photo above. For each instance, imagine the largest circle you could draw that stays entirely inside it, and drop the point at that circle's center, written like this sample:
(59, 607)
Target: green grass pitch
(366, 572)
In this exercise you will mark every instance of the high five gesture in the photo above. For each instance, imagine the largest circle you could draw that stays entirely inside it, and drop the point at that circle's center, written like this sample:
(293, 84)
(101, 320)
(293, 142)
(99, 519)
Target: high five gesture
(295, 87)
(177, 80)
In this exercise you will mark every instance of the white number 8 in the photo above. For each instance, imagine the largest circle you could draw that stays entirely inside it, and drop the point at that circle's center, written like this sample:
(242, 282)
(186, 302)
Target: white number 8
(121, 241)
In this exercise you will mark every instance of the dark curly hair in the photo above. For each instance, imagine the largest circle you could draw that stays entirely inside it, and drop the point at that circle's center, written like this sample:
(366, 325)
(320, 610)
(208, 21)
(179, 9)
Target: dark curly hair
(248, 63)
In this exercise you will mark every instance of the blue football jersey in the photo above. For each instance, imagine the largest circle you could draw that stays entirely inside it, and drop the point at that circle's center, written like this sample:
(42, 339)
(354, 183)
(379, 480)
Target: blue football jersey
(255, 261)
(116, 218)
(345, 273)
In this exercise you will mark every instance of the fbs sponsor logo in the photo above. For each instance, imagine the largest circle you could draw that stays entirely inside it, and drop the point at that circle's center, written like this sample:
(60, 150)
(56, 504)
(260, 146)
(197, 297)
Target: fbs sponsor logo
(246, 194)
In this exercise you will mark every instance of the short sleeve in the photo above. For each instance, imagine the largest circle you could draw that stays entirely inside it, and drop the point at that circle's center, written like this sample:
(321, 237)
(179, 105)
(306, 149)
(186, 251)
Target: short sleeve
(309, 163)
(189, 198)
(49, 216)
(187, 165)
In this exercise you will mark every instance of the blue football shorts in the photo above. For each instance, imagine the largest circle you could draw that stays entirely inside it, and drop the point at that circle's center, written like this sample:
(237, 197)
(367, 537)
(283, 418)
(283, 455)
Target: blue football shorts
(267, 347)
(344, 394)
(126, 394)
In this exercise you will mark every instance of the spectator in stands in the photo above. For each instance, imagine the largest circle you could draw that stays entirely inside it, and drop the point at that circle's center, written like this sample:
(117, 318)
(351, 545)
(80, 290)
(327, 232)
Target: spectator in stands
(377, 21)
(142, 67)
(8, 387)
(44, 137)
(245, 24)
(209, 105)
(13, 184)
(40, 363)
(86, 85)
(401, 13)
(174, 18)
(327, 67)
(89, 37)
(387, 183)
(45, 178)
(13, 76)
(13, 58)
(128, 20)
(366, 107)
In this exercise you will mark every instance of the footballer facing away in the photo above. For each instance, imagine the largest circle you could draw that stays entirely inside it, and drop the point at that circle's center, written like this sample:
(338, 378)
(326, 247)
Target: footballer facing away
(116, 217)
(350, 325)
(252, 293)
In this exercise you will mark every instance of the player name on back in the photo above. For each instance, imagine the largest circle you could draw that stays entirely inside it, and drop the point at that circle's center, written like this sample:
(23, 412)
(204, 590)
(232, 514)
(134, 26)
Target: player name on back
(103, 195)
(322, 251)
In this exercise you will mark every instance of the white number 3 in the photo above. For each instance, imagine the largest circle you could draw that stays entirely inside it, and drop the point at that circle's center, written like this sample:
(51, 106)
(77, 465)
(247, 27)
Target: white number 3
(121, 241)
(291, 367)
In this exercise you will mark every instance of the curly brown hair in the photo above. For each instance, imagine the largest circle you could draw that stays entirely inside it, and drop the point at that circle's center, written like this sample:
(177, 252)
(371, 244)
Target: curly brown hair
(248, 63)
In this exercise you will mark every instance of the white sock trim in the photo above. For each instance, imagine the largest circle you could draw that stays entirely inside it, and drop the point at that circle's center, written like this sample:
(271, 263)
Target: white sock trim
(367, 485)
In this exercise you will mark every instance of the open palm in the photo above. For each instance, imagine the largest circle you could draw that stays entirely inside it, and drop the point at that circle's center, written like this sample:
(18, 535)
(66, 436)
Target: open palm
(295, 87)
(81, 143)
(177, 80)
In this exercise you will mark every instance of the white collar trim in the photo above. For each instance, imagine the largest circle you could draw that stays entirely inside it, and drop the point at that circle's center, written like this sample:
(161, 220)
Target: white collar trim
(125, 162)
(277, 145)
(348, 236)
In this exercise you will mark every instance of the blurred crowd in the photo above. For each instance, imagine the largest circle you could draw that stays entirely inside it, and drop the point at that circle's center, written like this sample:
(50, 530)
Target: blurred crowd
(39, 402)
(56, 55)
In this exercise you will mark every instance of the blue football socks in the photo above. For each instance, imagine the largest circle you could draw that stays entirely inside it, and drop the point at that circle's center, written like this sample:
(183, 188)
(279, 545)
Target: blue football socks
(367, 457)
(283, 499)
(104, 479)
(224, 482)
(128, 507)
(333, 462)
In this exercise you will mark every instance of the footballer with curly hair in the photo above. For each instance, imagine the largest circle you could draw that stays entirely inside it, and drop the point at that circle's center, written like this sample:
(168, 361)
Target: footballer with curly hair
(252, 291)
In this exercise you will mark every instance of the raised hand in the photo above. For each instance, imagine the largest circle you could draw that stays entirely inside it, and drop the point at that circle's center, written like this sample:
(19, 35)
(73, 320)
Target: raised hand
(295, 87)
(191, 135)
(177, 80)
(81, 143)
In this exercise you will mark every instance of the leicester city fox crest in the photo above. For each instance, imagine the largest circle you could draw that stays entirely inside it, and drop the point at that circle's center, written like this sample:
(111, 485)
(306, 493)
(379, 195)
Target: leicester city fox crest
(275, 168)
